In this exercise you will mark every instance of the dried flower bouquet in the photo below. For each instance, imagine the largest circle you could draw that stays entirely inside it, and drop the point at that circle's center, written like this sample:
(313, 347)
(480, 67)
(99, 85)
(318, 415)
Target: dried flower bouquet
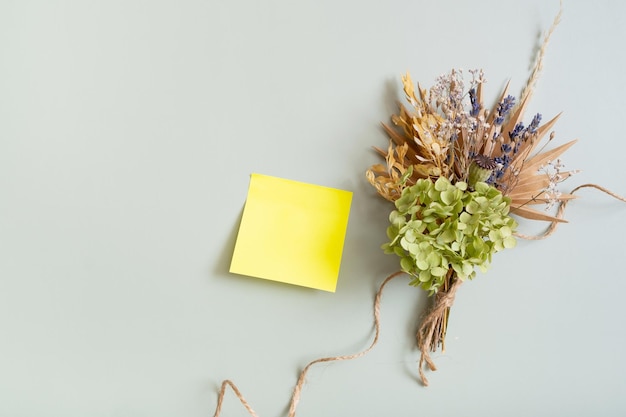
(456, 172)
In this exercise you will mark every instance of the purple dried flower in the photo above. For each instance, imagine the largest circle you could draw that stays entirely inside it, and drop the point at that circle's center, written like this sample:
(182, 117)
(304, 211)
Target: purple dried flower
(504, 108)
(517, 130)
(475, 104)
(534, 124)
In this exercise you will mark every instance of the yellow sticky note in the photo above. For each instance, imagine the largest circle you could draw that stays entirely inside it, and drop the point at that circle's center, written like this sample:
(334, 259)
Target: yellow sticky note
(292, 232)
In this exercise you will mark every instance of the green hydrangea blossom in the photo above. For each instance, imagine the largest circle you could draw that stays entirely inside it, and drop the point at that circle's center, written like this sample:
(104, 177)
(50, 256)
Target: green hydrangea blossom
(438, 226)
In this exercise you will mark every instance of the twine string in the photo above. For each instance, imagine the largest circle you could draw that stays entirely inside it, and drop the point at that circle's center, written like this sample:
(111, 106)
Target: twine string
(297, 391)
(431, 322)
(561, 210)
(220, 398)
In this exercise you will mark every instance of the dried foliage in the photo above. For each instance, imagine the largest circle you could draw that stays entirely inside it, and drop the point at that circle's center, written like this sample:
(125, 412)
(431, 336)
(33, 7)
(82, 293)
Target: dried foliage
(448, 126)
(455, 170)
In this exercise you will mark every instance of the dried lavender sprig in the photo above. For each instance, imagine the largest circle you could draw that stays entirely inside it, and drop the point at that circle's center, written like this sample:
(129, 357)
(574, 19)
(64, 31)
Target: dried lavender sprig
(503, 109)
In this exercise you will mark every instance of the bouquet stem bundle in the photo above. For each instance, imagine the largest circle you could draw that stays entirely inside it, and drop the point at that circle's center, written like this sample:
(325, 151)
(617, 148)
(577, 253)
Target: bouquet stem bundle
(432, 331)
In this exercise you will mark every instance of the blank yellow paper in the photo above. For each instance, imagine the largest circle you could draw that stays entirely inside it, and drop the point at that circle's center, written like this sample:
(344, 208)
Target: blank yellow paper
(292, 232)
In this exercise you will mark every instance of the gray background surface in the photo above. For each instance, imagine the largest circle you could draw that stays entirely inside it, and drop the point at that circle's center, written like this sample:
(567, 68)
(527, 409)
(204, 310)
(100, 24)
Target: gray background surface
(128, 130)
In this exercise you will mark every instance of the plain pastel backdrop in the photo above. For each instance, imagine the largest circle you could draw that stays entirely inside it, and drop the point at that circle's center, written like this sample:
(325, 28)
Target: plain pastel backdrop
(128, 133)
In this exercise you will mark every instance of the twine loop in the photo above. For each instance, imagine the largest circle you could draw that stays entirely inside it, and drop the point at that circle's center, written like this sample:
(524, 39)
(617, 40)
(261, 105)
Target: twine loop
(297, 391)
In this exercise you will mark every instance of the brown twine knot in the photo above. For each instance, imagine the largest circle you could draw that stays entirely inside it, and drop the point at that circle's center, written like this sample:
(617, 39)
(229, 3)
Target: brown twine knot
(433, 327)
